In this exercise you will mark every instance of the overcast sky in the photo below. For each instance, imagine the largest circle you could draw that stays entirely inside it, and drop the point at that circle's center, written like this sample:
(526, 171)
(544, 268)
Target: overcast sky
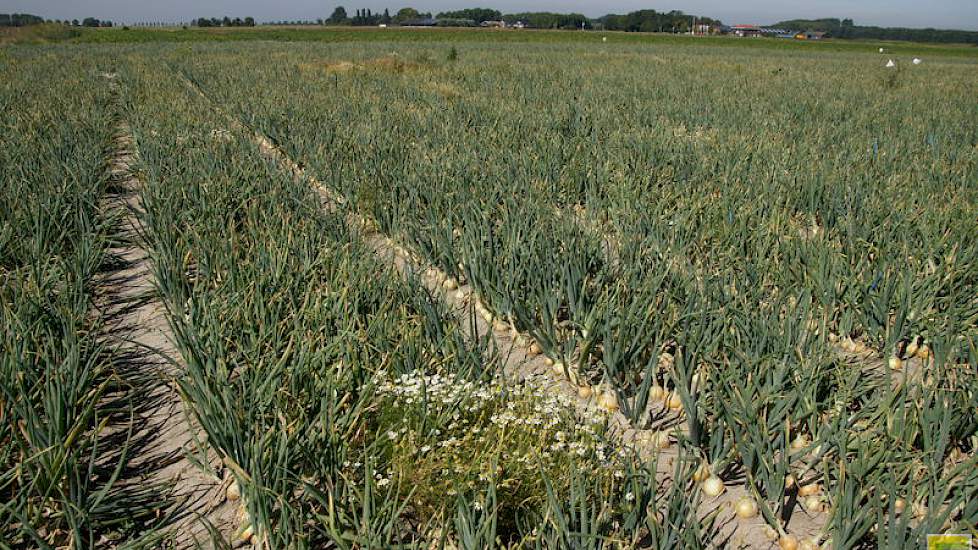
(959, 14)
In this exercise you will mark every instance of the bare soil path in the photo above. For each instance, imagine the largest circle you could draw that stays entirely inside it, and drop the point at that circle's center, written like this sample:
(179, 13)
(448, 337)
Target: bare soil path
(169, 453)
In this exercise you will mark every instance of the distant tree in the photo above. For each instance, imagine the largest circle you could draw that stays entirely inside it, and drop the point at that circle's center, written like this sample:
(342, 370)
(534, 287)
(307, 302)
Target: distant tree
(249, 21)
(475, 14)
(547, 20)
(226, 21)
(406, 14)
(365, 17)
(339, 16)
(74, 23)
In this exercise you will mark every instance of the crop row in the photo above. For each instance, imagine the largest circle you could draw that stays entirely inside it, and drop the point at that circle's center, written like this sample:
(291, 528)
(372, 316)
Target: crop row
(69, 405)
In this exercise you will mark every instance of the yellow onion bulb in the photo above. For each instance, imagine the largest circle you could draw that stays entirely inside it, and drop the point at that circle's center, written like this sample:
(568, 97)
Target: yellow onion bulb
(788, 542)
(657, 393)
(608, 401)
(745, 508)
(703, 472)
(809, 490)
(812, 504)
(911, 350)
(713, 486)
(674, 402)
(900, 505)
(790, 482)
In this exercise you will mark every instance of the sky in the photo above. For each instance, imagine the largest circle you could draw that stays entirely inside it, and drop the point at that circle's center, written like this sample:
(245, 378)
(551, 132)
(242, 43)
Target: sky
(957, 14)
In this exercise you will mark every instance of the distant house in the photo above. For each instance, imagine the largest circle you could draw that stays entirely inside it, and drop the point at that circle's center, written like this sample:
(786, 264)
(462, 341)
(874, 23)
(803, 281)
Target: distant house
(519, 25)
(493, 24)
(700, 29)
(420, 22)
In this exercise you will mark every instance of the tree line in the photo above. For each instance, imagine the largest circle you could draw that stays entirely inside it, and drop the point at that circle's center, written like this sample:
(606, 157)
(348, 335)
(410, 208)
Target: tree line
(846, 28)
(653, 21)
(25, 19)
(459, 18)
(224, 22)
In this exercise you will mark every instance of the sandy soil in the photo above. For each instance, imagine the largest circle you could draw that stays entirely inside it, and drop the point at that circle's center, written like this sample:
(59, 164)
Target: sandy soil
(169, 454)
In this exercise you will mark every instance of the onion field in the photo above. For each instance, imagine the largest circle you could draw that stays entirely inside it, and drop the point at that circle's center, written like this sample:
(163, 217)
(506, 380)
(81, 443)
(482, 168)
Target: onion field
(493, 295)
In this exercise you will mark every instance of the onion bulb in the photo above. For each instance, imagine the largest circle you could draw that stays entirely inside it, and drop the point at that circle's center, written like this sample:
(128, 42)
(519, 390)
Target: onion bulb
(809, 490)
(535, 349)
(789, 481)
(247, 532)
(234, 491)
(745, 508)
(450, 284)
(713, 486)
(487, 316)
(895, 363)
(499, 325)
(548, 361)
(812, 504)
(911, 349)
(674, 402)
(900, 505)
(788, 542)
(608, 401)
(558, 368)
(702, 472)
(584, 392)
(657, 393)
(808, 544)
(923, 352)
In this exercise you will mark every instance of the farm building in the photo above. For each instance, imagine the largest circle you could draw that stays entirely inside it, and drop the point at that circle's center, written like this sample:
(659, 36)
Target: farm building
(810, 35)
(746, 30)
